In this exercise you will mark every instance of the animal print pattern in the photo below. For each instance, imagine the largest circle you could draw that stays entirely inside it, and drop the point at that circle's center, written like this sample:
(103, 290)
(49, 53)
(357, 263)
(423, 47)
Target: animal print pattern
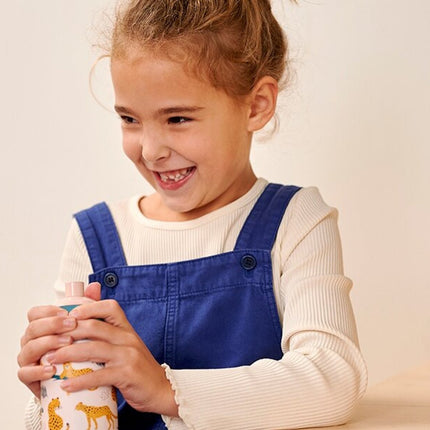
(55, 422)
(70, 372)
(93, 413)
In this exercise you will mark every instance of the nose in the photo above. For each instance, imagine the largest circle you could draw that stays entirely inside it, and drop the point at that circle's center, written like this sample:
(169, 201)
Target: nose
(152, 146)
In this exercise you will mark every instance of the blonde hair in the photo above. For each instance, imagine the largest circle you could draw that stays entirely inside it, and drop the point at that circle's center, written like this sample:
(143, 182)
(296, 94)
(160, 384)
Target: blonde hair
(231, 43)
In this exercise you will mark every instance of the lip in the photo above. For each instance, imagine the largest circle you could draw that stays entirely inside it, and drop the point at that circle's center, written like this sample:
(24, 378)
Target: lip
(173, 186)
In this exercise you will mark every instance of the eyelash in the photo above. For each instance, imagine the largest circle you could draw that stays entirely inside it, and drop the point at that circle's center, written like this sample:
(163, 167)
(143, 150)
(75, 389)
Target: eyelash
(178, 120)
(128, 120)
(174, 120)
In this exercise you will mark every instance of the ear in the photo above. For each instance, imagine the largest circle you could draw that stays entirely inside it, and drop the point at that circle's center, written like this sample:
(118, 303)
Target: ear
(262, 103)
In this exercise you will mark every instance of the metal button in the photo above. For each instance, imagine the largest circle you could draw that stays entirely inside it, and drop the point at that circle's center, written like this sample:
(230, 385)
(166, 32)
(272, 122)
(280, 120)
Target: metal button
(111, 280)
(248, 262)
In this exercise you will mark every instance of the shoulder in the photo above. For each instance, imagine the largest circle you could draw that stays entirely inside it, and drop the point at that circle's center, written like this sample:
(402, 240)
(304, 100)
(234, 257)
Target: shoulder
(308, 206)
(306, 210)
(125, 209)
(128, 205)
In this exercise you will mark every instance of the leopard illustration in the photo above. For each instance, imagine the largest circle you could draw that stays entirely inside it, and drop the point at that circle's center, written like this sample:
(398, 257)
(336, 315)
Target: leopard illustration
(55, 422)
(70, 372)
(95, 412)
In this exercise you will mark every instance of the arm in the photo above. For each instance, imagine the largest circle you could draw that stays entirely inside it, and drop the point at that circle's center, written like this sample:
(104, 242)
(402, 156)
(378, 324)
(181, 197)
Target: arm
(113, 339)
(75, 265)
(322, 373)
(32, 415)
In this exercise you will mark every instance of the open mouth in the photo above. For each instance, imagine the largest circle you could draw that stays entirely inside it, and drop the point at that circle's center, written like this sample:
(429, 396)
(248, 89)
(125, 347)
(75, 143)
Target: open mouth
(175, 175)
(172, 180)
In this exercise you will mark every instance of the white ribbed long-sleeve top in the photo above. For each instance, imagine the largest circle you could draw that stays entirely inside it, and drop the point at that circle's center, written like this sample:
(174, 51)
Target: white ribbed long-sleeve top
(321, 374)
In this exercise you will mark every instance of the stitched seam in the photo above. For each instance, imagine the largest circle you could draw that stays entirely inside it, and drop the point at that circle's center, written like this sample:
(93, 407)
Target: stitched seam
(195, 293)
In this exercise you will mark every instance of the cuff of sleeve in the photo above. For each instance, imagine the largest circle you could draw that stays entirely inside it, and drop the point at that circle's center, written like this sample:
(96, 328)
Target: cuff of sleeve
(32, 416)
(174, 423)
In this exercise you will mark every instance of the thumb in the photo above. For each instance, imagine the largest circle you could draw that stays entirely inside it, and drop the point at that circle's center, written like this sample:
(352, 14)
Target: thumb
(93, 291)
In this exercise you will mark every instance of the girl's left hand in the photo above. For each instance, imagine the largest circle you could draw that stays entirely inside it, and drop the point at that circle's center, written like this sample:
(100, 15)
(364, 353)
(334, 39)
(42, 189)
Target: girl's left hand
(129, 365)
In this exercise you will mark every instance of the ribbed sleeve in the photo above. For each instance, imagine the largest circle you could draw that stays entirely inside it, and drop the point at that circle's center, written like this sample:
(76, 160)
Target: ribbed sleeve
(32, 415)
(321, 374)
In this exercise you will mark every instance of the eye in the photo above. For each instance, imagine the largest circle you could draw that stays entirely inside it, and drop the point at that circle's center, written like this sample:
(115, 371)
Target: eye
(178, 120)
(128, 120)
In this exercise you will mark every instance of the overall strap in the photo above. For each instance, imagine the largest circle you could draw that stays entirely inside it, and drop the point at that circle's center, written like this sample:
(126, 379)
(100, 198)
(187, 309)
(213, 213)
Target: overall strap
(261, 226)
(101, 237)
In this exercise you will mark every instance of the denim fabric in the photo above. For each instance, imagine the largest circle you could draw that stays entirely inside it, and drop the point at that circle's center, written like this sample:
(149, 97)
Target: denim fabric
(212, 312)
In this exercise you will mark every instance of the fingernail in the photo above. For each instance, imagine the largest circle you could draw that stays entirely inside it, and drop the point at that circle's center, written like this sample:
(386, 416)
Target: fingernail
(64, 340)
(49, 357)
(69, 323)
(74, 313)
(49, 370)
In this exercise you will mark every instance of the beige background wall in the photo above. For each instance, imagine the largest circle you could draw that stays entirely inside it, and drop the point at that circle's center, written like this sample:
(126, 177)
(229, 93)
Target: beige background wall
(355, 123)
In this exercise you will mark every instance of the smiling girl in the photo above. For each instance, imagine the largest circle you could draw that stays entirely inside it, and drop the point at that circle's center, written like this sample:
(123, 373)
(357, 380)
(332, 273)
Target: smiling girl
(221, 298)
(189, 140)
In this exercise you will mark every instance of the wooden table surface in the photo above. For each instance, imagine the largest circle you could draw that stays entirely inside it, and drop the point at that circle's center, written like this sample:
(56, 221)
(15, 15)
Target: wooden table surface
(401, 402)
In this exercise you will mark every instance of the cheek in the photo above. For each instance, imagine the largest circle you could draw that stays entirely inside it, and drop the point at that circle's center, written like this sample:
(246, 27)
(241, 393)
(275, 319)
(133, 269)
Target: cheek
(131, 148)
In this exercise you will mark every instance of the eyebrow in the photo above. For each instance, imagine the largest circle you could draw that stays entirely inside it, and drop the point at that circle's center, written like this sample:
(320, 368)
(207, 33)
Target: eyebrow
(122, 109)
(178, 109)
(163, 111)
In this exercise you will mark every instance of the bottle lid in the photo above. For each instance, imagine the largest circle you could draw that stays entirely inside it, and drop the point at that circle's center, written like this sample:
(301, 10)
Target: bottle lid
(74, 289)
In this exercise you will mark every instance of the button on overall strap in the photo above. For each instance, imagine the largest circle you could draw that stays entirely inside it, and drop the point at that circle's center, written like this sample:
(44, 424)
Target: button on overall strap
(101, 237)
(261, 226)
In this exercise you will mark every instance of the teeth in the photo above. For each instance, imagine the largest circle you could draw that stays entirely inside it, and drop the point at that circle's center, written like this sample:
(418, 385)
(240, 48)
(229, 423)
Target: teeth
(180, 174)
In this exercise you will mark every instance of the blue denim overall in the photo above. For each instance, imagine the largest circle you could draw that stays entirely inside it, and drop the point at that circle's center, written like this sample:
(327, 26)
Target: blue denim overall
(211, 312)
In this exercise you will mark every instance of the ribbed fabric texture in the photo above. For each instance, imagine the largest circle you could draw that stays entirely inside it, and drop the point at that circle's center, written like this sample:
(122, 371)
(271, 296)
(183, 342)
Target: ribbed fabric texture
(32, 414)
(322, 373)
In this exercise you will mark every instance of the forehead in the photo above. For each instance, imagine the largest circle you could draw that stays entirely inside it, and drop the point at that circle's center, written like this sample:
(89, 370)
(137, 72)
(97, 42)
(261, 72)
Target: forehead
(149, 69)
(148, 77)
(165, 51)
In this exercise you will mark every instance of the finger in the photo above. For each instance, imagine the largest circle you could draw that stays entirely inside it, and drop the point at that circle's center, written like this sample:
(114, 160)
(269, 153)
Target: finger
(96, 329)
(93, 291)
(48, 326)
(32, 375)
(98, 378)
(107, 310)
(39, 312)
(94, 351)
(33, 350)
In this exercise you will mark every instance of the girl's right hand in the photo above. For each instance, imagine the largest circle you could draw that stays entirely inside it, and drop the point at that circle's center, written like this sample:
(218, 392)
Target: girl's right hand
(46, 331)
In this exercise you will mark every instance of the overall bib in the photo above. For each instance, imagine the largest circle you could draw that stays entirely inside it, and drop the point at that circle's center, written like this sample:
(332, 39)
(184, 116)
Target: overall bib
(211, 312)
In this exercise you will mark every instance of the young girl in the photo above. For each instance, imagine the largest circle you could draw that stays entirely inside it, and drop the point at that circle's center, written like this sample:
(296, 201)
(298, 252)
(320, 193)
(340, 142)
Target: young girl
(223, 300)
